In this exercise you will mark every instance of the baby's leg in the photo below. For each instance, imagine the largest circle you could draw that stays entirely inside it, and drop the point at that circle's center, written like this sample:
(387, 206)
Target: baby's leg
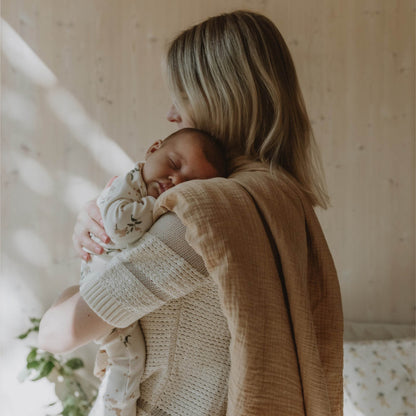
(120, 386)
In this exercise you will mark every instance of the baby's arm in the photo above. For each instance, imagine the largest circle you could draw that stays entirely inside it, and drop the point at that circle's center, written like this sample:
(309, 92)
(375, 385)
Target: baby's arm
(126, 214)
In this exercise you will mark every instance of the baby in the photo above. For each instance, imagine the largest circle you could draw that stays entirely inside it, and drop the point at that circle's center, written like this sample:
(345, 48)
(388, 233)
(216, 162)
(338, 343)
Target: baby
(126, 206)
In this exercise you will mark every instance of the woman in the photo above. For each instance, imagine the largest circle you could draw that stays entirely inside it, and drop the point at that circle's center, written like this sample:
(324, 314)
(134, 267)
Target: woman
(244, 316)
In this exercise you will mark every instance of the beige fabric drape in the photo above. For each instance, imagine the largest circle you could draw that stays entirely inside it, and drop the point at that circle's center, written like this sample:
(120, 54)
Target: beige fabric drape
(262, 244)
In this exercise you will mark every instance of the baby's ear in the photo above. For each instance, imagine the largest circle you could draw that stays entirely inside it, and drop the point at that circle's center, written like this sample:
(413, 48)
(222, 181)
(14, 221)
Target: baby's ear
(155, 146)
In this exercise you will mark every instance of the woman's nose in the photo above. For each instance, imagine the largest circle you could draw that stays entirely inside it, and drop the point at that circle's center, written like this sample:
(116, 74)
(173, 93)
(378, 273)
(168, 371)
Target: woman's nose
(173, 115)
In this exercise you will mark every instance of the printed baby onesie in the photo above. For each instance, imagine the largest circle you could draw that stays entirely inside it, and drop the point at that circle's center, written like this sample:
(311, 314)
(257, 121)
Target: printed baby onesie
(127, 213)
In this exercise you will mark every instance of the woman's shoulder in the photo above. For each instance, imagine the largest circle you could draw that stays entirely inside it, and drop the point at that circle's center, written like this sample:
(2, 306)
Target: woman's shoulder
(199, 201)
(264, 183)
(193, 196)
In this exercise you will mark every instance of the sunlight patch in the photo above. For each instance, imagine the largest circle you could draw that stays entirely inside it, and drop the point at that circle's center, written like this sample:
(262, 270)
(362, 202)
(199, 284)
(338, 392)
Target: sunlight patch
(22, 57)
(33, 174)
(32, 248)
(108, 154)
(77, 190)
(17, 108)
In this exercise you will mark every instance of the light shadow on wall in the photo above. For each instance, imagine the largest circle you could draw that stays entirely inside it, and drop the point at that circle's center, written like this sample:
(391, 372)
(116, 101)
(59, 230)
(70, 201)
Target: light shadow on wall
(35, 259)
(33, 246)
(107, 154)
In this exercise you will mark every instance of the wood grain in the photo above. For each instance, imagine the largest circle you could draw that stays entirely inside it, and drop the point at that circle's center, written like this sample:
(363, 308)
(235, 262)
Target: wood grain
(63, 137)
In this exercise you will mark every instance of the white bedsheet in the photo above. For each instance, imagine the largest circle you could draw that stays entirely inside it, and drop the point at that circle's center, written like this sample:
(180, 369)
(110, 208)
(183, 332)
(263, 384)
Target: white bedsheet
(379, 377)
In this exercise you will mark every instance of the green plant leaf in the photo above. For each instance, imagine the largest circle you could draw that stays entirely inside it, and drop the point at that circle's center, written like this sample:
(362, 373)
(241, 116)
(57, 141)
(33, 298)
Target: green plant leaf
(72, 407)
(34, 328)
(40, 364)
(32, 355)
(44, 370)
(24, 335)
(70, 401)
(72, 411)
(47, 356)
(74, 363)
(35, 321)
(35, 364)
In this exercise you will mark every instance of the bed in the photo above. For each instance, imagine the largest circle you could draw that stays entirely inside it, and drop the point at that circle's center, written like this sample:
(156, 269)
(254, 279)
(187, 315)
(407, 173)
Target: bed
(379, 370)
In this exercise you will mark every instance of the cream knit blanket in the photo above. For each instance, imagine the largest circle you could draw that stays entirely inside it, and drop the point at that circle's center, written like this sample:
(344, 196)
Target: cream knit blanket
(262, 244)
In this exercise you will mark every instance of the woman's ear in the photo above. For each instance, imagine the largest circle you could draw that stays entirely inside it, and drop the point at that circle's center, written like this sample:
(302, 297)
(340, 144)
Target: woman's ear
(155, 146)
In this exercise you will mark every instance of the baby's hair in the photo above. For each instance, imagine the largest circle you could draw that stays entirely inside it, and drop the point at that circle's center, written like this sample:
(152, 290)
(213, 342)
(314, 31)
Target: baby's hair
(211, 147)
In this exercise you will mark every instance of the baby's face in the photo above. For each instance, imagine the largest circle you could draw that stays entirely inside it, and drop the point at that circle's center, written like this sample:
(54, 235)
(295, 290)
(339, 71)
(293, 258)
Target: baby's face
(178, 160)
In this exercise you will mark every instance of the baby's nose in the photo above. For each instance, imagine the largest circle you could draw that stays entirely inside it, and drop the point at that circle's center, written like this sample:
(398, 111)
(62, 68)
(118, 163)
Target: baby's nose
(177, 178)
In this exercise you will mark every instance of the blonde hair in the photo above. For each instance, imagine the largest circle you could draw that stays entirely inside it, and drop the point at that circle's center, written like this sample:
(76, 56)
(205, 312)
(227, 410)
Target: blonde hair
(232, 75)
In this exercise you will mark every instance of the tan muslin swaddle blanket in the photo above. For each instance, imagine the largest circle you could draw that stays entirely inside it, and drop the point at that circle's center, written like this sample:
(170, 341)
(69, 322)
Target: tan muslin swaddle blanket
(262, 244)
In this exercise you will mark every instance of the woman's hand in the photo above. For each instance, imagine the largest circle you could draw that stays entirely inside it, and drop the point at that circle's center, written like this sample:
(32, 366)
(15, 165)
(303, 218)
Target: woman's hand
(89, 221)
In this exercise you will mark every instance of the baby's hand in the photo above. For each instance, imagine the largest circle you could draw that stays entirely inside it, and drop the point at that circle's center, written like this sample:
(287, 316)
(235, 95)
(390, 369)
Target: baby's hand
(110, 182)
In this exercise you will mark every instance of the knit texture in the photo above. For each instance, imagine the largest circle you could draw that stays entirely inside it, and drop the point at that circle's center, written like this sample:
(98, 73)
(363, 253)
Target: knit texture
(262, 244)
(187, 337)
(118, 295)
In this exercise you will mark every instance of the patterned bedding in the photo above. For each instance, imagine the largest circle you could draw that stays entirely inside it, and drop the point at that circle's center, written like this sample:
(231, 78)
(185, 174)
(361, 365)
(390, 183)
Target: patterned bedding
(379, 374)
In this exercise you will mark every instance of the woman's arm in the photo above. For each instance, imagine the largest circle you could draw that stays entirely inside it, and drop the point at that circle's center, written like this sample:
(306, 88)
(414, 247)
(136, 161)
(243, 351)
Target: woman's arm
(161, 267)
(70, 323)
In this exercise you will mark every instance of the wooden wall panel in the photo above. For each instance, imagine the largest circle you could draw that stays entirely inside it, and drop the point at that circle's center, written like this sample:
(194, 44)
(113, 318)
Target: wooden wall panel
(83, 96)
(88, 97)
